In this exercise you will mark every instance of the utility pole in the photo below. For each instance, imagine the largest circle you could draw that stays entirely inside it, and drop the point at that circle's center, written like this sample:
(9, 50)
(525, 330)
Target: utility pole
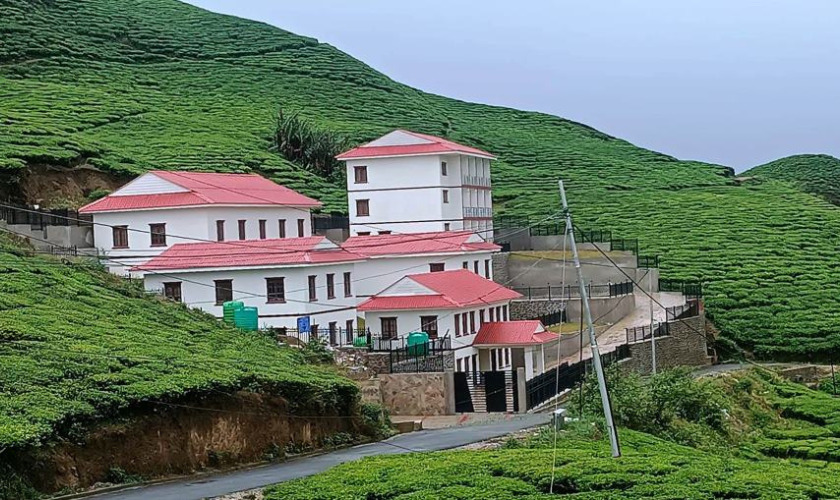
(593, 341)
(652, 336)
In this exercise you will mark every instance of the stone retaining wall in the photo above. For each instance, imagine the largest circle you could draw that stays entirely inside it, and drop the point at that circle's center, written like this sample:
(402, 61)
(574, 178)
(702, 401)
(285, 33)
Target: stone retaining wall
(684, 346)
(412, 394)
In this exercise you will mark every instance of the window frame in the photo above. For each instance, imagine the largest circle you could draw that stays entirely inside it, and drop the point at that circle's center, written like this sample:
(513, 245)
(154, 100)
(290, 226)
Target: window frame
(391, 333)
(228, 290)
(363, 203)
(487, 273)
(281, 228)
(472, 322)
(263, 232)
(444, 171)
(220, 230)
(425, 322)
(301, 228)
(447, 226)
(446, 196)
(170, 285)
(242, 225)
(153, 233)
(275, 281)
(437, 267)
(119, 233)
(360, 179)
(348, 287)
(330, 286)
(457, 324)
(312, 281)
(362, 233)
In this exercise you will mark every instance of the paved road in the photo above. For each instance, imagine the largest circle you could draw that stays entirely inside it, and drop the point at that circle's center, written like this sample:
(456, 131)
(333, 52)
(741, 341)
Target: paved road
(221, 484)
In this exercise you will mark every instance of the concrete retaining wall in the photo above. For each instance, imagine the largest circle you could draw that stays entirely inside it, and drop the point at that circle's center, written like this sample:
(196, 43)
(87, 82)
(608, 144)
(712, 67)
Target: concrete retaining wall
(685, 346)
(604, 311)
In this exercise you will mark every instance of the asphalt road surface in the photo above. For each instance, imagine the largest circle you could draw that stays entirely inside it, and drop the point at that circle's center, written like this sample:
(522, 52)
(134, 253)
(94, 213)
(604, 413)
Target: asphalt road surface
(224, 483)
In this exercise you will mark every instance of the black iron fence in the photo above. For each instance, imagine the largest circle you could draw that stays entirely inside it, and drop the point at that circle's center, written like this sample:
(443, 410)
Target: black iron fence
(566, 376)
(551, 292)
(336, 337)
(38, 219)
(647, 261)
(625, 245)
(640, 333)
(688, 310)
(687, 288)
(384, 344)
(553, 318)
(60, 251)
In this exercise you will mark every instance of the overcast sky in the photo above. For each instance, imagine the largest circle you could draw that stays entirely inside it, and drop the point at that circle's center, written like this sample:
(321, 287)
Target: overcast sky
(737, 82)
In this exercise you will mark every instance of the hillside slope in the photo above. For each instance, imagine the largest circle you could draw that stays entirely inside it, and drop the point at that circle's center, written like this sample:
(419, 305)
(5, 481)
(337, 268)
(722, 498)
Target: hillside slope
(139, 84)
(78, 344)
(816, 174)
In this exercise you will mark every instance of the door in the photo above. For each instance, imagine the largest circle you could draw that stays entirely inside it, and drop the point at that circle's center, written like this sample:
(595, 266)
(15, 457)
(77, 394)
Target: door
(495, 391)
(463, 398)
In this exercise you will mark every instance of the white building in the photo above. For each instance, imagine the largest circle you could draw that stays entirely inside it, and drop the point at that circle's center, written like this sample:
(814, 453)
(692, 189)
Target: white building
(159, 209)
(285, 279)
(392, 256)
(473, 311)
(405, 182)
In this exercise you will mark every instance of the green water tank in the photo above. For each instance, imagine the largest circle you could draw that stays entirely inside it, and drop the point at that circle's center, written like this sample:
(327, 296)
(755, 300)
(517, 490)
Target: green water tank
(247, 319)
(228, 309)
(418, 343)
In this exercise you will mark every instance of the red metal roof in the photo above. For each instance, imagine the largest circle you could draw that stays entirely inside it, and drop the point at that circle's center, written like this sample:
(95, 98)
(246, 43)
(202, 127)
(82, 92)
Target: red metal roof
(274, 252)
(435, 145)
(452, 290)
(528, 332)
(417, 243)
(206, 189)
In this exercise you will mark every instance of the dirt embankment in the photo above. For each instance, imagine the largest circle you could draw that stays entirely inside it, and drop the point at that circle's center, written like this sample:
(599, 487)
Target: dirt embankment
(63, 187)
(176, 440)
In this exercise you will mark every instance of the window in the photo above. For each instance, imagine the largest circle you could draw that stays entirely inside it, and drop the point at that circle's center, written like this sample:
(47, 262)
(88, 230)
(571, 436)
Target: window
(313, 292)
(282, 228)
(492, 316)
(363, 233)
(475, 266)
(220, 230)
(472, 322)
(465, 265)
(443, 168)
(120, 236)
(172, 291)
(333, 329)
(348, 335)
(158, 232)
(505, 313)
(362, 208)
(224, 291)
(331, 286)
(498, 313)
(241, 229)
(464, 330)
(389, 328)
(487, 268)
(348, 292)
(446, 226)
(275, 290)
(301, 224)
(480, 318)
(436, 267)
(384, 232)
(360, 175)
(457, 325)
(446, 196)
(262, 229)
(428, 324)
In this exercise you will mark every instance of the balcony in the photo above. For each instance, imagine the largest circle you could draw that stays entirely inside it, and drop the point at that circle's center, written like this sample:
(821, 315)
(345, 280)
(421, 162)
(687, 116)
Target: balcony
(478, 212)
(470, 180)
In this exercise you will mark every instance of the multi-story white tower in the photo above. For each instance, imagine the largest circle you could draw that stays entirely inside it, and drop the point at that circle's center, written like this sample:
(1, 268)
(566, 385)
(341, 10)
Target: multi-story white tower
(405, 182)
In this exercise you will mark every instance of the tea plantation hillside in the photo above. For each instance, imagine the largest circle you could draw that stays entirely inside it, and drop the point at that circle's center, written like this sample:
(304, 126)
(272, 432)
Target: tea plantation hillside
(78, 345)
(139, 84)
(780, 442)
(817, 174)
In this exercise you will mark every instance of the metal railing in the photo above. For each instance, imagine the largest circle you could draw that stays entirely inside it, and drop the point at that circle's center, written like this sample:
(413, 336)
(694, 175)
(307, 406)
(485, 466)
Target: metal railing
(38, 219)
(640, 333)
(687, 288)
(377, 343)
(472, 180)
(553, 318)
(688, 310)
(647, 261)
(552, 292)
(478, 212)
(337, 337)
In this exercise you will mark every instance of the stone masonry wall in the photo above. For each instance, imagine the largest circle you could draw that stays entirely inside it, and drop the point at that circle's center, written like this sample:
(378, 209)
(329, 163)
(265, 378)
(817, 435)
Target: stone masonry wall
(417, 393)
(500, 268)
(684, 346)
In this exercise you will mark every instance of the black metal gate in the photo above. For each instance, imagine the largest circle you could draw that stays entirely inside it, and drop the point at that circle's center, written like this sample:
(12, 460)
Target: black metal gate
(495, 391)
(463, 398)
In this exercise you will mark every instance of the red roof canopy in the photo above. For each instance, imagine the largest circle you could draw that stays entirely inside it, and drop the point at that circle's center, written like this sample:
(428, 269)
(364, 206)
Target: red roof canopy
(418, 243)
(205, 189)
(522, 333)
(451, 290)
(273, 252)
(431, 145)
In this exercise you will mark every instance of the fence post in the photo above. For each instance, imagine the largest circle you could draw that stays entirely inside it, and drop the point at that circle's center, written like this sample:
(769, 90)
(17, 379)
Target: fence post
(521, 390)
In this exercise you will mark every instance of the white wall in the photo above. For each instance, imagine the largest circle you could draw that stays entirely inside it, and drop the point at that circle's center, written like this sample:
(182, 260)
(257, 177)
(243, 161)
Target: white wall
(192, 223)
(250, 282)
(411, 189)
(376, 274)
